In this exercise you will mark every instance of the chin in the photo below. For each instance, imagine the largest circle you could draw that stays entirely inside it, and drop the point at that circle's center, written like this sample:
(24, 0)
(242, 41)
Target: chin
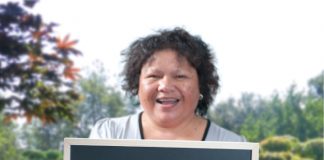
(167, 118)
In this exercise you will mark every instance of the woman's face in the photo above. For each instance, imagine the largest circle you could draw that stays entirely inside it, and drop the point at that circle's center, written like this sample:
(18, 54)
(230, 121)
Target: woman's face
(168, 88)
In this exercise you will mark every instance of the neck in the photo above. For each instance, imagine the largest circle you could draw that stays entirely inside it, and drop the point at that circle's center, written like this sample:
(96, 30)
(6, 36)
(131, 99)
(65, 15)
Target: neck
(191, 129)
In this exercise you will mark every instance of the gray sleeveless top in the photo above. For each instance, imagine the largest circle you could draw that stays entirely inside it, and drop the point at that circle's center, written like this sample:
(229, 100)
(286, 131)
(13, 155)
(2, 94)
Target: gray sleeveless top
(130, 127)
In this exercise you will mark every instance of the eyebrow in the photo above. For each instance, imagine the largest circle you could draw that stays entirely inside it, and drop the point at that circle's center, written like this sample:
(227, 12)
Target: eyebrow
(158, 71)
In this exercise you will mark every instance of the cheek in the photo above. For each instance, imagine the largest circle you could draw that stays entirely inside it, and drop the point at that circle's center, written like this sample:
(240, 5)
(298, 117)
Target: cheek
(191, 90)
(191, 86)
(146, 90)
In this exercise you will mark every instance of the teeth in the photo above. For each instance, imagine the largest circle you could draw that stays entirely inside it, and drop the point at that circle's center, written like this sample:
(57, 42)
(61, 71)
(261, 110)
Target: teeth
(167, 100)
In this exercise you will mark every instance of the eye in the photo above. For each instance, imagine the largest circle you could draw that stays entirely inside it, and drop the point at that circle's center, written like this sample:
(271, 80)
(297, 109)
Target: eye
(181, 76)
(153, 76)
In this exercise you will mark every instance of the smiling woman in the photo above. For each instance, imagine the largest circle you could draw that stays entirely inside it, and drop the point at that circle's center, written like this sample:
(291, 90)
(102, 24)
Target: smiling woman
(169, 92)
(173, 74)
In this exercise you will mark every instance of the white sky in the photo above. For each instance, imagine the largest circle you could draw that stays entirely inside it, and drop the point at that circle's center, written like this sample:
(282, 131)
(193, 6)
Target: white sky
(261, 46)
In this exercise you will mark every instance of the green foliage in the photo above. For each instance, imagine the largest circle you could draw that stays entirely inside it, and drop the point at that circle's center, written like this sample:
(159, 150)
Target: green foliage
(251, 116)
(288, 147)
(294, 113)
(251, 132)
(260, 120)
(279, 156)
(36, 71)
(227, 114)
(34, 155)
(314, 115)
(45, 137)
(8, 150)
(279, 143)
(280, 148)
(316, 85)
(54, 155)
(99, 100)
(43, 155)
(314, 148)
(314, 109)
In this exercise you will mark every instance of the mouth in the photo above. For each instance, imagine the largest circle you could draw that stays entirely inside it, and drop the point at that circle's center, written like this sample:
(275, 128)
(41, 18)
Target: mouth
(167, 101)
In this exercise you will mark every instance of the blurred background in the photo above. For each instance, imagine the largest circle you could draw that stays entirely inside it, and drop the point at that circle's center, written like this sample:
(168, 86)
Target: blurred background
(60, 63)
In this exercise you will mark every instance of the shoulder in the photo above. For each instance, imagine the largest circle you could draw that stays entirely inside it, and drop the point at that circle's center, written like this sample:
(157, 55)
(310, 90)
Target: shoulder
(217, 133)
(114, 128)
(115, 122)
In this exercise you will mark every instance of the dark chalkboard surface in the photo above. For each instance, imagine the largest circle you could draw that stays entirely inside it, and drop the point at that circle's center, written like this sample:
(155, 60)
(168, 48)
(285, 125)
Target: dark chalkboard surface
(99, 149)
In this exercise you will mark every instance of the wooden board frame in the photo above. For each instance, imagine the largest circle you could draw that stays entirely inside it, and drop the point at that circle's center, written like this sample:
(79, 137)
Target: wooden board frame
(93, 149)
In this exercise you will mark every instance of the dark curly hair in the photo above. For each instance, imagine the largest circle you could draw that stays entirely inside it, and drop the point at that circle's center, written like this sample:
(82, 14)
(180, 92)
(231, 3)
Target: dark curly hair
(191, 47)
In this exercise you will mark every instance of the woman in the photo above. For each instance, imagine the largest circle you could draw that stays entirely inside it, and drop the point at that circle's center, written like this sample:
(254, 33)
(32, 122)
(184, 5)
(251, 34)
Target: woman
(173, 74)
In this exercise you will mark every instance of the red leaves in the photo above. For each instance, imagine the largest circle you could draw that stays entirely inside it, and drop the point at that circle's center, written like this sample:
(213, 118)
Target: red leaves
(65, 43)
(71, 73)
(38, 34)
(33, 55)
(9, 118)
(66, 46)
(29, 117)
(34, 58)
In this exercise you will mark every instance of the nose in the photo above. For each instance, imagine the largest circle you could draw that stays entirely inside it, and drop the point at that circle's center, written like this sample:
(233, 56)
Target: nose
(166, 85)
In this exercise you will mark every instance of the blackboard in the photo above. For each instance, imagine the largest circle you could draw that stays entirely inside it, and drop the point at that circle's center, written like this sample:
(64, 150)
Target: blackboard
(99, 149)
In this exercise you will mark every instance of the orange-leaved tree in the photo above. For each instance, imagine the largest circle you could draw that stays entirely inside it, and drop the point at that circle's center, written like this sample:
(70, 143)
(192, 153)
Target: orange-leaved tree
(36, 68)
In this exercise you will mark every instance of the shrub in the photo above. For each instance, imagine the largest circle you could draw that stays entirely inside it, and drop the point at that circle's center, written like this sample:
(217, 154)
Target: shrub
(53, 155)
(43, 155)
(278, 156)
(279, 143)
(34, 155)
(313, 148)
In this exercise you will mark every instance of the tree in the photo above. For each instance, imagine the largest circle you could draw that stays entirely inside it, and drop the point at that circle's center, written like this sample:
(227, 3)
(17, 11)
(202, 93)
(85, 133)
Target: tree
(232, 114)
(294, 121)
(36, 71)
(36, 136)
(8, 150)
(295, 113)
(99, 100)
(314, 107)
(252, 117)
(316, 85)
(225, 114)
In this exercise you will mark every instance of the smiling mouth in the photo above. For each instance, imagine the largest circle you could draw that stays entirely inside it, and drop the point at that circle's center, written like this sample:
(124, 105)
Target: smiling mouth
(167, 101)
